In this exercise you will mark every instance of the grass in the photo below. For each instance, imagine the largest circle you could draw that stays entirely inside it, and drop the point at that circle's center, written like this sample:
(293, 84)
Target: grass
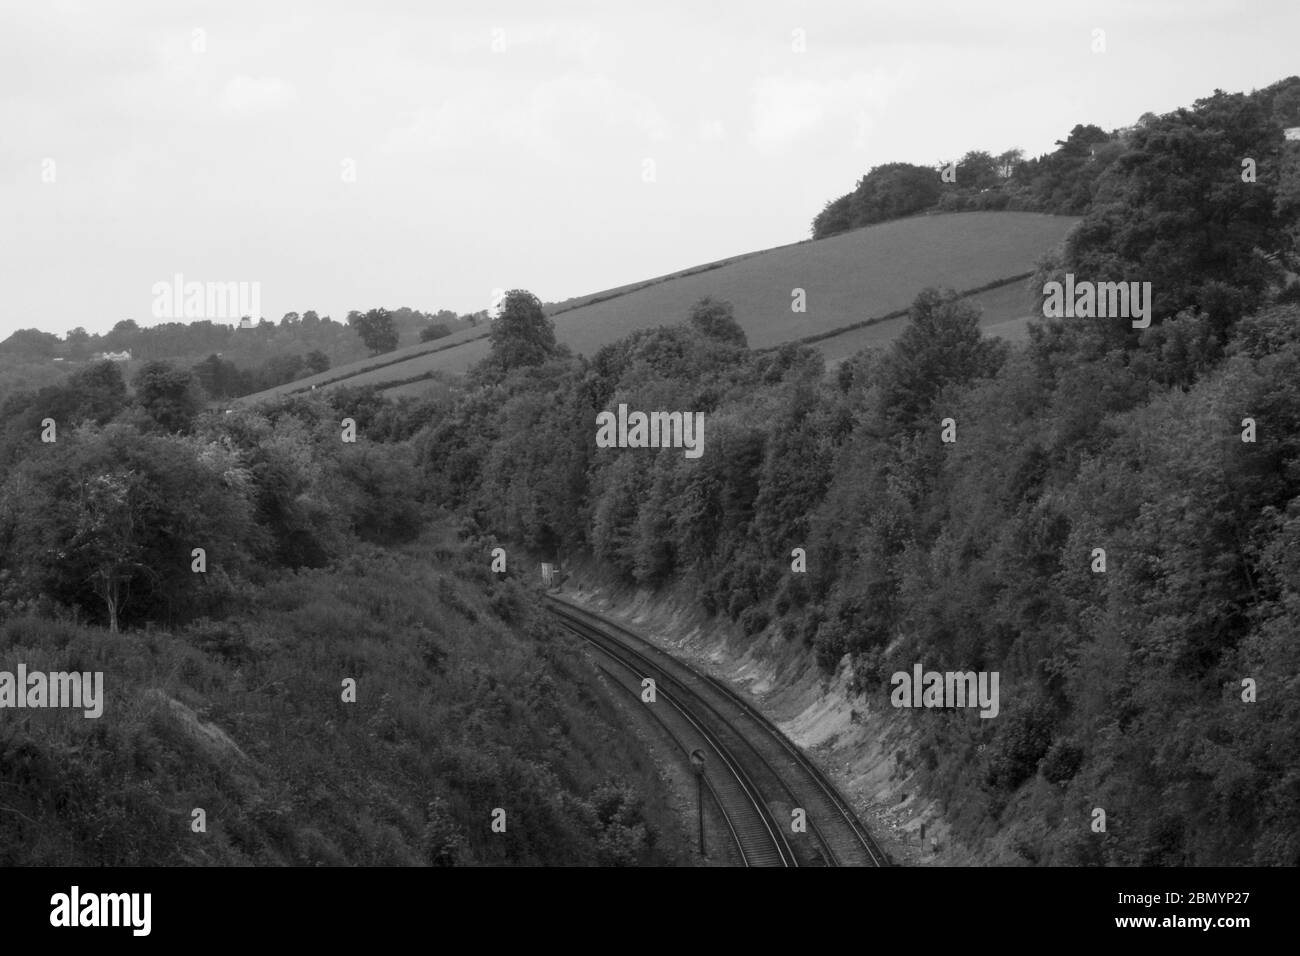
(849, 279)
(1006, 313)
(467, 700)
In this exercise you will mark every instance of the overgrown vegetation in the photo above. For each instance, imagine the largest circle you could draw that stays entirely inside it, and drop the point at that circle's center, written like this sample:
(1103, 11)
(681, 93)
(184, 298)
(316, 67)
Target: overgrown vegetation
(224, 682)
(1120, 689)
(227, 361)
(458, 711)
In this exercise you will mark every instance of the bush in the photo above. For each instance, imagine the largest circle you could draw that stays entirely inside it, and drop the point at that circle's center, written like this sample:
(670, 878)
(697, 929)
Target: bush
(811, 622)
(1021, 743)
(1289, 295)
(444, 842)
(623, 834)
(792, 592)
(753, 620)
(829, 645)
(868, 671)
(1062, 762)
(737, 603)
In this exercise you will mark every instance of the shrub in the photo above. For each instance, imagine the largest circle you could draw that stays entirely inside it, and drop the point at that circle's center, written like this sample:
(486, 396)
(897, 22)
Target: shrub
(829, 645)
(754, 619)
(1021, 743)
(444, 841)
(1062, 762)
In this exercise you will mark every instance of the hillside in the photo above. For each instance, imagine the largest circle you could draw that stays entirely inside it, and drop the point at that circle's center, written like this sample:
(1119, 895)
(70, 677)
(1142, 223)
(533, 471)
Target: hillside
(467, 698)
(849, 279)
(1102, 519)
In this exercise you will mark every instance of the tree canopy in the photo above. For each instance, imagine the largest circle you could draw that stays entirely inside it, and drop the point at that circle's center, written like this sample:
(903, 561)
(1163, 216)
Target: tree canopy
(522, 334)
(376, 329)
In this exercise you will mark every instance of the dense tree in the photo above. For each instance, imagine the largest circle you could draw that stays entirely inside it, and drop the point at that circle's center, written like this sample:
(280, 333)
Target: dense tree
(106, 520)
(289, 479)
(375, 328)
(220, 378)
(96, 392)
(1007, 162)
(1174, 211)
(977, 170)
(716, 319)
(522, 334)
(378, 504)
(282, 368)
(170, 397)
(1287, 205)
(940, 346)
(31, 343)
(886, 192)
(1081, 140)
(835, 218)
(1286, 102)
(966, 556)
(893, 190)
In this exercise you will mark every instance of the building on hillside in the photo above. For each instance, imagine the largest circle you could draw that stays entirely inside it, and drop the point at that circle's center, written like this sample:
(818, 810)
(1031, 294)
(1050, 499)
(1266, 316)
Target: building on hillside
(246, 323)
(1292, 132)
(122, 356)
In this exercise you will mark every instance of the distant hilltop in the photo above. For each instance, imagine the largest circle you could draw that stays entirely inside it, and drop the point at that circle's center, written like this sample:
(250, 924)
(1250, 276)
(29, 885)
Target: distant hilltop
(838, 294)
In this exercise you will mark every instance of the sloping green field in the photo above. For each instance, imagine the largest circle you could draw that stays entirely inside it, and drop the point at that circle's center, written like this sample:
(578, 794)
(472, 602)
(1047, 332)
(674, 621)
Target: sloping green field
(1007, 311)
(847, 279)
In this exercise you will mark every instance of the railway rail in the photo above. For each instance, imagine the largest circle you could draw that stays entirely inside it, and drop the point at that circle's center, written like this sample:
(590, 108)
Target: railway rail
(756, 777)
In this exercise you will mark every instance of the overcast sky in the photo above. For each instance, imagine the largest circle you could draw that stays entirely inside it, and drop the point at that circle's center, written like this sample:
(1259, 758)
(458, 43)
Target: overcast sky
(506, 145)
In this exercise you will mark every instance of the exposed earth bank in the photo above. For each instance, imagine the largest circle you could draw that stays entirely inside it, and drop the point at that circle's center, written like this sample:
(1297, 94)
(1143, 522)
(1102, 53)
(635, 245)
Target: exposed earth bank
(858, 742)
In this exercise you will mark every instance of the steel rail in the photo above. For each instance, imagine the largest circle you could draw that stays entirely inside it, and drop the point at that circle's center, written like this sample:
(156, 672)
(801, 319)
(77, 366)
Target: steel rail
(762, 733)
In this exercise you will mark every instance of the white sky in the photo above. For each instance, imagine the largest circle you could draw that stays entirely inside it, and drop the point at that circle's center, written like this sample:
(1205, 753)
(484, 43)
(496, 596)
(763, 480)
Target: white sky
(523, 167)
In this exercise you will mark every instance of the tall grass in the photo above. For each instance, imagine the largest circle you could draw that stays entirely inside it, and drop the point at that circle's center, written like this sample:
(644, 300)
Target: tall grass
(457, 713)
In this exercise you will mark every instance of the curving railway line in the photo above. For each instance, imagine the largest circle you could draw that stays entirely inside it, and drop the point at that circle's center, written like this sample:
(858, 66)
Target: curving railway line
(755, 776)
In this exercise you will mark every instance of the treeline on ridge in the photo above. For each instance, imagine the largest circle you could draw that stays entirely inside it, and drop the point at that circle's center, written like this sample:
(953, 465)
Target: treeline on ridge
(229, 361)
(1064, 181)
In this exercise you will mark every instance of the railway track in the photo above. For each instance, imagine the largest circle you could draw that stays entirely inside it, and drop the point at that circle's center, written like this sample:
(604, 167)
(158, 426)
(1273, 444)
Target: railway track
(755, 775)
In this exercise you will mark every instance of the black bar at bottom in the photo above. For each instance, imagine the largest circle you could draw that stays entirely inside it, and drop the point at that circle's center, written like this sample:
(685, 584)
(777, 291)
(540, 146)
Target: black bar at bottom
(336, 907)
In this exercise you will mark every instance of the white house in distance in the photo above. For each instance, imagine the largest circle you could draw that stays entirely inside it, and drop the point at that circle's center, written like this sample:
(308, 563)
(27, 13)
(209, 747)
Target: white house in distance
(1292, 132)
(123, 356)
